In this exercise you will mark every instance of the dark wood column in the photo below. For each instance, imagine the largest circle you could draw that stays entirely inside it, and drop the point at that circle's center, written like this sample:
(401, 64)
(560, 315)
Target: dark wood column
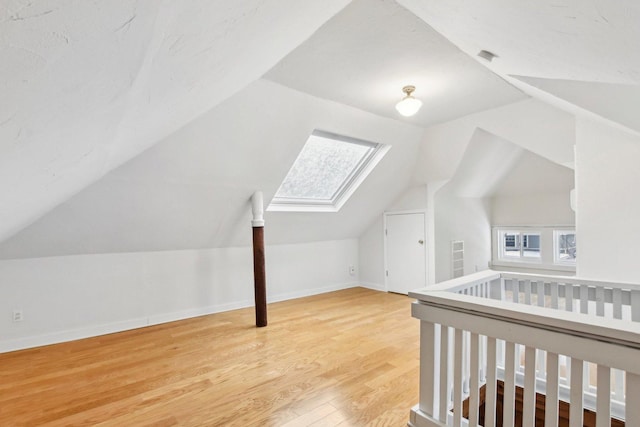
(259, 274)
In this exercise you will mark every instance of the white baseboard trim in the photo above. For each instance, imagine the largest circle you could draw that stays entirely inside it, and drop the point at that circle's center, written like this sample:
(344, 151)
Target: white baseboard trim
(154, 319)
(157, 319)
(70, 335)
(309, 292)
(374, 286)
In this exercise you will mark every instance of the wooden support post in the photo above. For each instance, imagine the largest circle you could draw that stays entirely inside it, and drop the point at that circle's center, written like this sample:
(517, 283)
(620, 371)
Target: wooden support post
(259, 272)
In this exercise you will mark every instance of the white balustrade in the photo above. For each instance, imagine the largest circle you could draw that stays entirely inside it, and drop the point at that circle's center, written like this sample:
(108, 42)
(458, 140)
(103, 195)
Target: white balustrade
(573, 340)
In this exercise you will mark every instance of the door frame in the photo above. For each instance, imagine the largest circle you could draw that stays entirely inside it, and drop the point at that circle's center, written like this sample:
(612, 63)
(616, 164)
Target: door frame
(426, 245)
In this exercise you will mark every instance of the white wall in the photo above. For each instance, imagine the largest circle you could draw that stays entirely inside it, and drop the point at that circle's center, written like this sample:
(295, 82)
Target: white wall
(65, 298)
(535, 191)
(461, 218)
(532, 209)
(371, 242)
(608, 206)
(371, 252)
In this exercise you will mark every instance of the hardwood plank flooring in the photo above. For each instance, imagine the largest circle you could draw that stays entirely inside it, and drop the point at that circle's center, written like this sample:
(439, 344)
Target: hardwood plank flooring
(346, 358)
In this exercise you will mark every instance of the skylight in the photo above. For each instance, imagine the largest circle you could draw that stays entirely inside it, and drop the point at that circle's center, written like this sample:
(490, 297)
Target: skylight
(327, 171)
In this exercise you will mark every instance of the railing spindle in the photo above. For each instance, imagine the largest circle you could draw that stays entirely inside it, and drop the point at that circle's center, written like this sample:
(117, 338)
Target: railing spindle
(540, 290)
(576, 413)
(527, 292)
(584, 299)
(490, 391)
(551, 398)
(626, 301)
(617, 303)
(635, 305)
(474, 380)
(445, 375)
(568, 297)
(603, 404)
(515, 286)
(465, 362)
(553, 290)
(509, 408)
(600, 301)
(428, 368)
(529, 398)
(483, 359)
(457, 378)
(632, 407)
(541, 359)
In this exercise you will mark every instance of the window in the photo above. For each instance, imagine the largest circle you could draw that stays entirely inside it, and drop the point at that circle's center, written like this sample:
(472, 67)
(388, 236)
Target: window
(564, 246)
(518, 245)
(535, 247)
(327, 171)
(511, 244)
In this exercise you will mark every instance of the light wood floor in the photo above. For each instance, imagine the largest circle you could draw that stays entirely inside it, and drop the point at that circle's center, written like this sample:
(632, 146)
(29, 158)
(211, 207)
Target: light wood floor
(347, 358)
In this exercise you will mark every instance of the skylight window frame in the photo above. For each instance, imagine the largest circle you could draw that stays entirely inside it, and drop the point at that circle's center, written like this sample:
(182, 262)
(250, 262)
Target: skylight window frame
(356, 176)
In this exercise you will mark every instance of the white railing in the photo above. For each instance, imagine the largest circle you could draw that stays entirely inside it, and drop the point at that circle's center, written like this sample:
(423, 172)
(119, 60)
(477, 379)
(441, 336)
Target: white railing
(572, 340)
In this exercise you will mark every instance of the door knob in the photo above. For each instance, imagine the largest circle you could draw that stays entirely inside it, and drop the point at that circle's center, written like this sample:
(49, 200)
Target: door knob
(421, 242)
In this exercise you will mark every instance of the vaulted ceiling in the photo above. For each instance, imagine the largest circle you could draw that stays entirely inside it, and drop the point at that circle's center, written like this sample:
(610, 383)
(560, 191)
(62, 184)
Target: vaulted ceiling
(581, 56)
(145, 125)
(88, 85)
(365, 54)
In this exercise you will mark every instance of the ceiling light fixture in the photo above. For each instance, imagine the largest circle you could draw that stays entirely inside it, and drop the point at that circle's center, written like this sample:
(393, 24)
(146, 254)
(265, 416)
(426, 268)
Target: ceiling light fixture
(409, 105)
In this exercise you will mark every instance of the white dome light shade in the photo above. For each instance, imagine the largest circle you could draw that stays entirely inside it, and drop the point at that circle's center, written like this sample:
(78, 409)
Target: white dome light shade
(409, 105)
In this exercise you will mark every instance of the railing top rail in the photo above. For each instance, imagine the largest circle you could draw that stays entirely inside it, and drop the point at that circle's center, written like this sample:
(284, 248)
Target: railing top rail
(569, 280)
(462, 282)
(613, 331)
(489, 275)
(616, 344)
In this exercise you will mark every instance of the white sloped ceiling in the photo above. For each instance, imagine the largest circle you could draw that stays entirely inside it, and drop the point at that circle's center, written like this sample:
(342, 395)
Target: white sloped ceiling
(87, 85)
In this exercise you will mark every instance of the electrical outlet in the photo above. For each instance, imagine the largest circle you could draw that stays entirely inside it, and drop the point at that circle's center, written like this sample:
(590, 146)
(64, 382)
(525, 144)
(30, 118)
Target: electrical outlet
(352, 270)
(18, 316)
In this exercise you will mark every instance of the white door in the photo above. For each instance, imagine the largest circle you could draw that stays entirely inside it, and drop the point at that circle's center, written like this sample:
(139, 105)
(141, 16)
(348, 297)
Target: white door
(406, 253)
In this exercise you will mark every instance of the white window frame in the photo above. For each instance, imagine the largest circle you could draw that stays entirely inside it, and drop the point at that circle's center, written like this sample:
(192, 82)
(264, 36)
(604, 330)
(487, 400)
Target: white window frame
(345, 190)
(556, 250)
(521, 257)
(547, 260)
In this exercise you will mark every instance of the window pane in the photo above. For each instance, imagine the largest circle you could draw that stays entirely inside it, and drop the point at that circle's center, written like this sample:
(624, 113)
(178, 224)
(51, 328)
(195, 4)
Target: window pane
(323, 168)
(531, 245)
(511, 244)
(565, 246)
